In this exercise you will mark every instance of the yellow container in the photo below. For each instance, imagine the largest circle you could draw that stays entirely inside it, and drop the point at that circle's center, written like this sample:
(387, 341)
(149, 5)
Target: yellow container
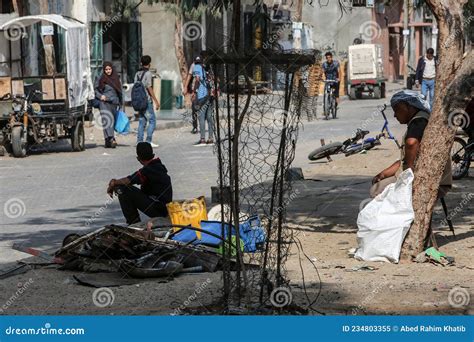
(188, 212)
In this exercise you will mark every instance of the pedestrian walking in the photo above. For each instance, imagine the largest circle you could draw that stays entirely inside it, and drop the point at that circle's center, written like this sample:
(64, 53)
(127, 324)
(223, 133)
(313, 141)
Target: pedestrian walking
(188, 89)
(108, 90)
(143, 92)
(426, 74)
(202, 102)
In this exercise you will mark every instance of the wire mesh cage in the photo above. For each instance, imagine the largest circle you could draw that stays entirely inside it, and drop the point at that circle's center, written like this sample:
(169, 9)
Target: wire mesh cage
(257, 117)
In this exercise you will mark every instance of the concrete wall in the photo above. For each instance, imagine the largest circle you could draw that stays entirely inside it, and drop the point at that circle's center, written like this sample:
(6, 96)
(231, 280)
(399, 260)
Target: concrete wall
(158, 42)
(332, 33)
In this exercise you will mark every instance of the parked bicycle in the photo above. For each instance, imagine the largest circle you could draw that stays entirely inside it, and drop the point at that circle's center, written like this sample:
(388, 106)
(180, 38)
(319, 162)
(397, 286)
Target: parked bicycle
(462, 154)
(352, 145)
(329, 103)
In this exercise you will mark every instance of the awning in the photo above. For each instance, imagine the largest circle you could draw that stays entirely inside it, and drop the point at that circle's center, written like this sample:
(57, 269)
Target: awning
(80, 87)
(64, 22)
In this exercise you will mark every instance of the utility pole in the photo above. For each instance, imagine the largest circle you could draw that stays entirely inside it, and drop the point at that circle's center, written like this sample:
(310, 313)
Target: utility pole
(406, 39)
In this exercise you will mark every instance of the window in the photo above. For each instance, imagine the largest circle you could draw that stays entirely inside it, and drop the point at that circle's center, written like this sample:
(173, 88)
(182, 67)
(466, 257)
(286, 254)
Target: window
(6, 6)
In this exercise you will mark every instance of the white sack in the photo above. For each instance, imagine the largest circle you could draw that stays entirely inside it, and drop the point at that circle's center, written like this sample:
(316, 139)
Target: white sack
(384, 221)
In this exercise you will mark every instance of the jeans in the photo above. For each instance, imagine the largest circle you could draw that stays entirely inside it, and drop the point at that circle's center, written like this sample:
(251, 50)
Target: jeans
(133, 199)
(149, 116)
(205, 114)
(195, 118)
(428, 86)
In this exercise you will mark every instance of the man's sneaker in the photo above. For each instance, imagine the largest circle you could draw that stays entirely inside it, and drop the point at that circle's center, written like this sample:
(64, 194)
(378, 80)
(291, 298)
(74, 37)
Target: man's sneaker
(210, 142)
(201, 142)
(154, 145)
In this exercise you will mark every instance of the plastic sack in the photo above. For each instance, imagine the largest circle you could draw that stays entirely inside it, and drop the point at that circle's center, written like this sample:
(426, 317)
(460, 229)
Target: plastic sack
(384, 221)
(253, 234)
(122, 123)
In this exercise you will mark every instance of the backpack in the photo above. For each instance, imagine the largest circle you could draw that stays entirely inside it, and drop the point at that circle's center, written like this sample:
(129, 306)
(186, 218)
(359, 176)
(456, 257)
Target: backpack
(139, 95)
(209, 81)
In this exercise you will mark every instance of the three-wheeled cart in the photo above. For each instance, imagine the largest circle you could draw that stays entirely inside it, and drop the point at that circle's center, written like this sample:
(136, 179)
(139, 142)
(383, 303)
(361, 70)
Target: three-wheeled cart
(45, 96)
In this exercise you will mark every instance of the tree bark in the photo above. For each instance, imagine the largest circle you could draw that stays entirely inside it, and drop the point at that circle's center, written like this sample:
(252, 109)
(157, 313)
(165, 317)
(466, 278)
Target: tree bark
(439, 134)
(179, 50)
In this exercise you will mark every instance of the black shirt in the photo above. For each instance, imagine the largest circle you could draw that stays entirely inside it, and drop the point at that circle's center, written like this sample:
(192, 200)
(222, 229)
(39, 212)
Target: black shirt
(416, 128)
(154, 181)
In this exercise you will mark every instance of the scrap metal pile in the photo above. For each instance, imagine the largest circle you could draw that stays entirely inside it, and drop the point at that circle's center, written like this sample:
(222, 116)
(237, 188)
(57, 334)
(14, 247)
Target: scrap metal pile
(136, 253)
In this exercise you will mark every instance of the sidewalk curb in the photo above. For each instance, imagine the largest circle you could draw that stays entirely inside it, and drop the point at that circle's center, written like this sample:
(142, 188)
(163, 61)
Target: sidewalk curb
(160, 126)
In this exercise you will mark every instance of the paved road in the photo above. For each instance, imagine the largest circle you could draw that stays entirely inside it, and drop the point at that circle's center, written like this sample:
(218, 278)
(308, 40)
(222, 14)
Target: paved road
(57, 192)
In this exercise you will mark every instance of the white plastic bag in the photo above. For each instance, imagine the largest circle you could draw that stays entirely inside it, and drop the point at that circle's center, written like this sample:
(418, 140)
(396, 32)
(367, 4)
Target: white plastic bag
(384, 221)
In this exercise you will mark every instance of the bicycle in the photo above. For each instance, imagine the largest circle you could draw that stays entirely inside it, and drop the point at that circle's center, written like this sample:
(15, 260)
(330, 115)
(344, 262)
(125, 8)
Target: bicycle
(329, 103)
(351, 145)
(461, 157)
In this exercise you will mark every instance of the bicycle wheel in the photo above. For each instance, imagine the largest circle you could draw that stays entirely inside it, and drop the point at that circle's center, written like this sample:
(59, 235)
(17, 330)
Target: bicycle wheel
(326, 105)
(334, 107)
(325, 151)
(460, 160)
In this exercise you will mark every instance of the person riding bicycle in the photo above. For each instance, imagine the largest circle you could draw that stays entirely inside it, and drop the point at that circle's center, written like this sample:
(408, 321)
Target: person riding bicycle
(331, 70)
(413, 110)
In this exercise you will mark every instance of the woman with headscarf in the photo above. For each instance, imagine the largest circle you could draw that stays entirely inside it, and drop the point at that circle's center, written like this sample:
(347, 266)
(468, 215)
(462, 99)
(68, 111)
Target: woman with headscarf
(413, 110)
(108, 89)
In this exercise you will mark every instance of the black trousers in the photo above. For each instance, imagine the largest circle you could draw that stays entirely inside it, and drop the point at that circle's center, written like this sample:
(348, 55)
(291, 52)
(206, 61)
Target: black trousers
(133, 199)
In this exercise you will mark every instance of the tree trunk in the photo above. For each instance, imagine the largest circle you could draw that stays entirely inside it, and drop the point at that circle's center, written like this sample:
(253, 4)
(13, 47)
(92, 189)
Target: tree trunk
(18, 7)
(49, 57)
(439, 134)
(179, 50)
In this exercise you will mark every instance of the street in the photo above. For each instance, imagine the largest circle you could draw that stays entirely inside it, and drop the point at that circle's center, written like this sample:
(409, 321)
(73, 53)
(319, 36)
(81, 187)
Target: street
(60, 192)
(64, 192)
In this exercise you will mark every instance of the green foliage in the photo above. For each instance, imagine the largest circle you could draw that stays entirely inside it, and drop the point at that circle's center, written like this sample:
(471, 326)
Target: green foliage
(193, 9)
(127, 8)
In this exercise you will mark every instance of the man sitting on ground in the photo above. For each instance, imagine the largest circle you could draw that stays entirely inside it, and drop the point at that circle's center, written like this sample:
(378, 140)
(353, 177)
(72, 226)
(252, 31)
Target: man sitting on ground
(155, 187)
(411, 109)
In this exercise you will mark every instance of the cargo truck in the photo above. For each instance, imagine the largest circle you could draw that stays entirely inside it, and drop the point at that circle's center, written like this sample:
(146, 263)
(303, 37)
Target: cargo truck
(365, 71)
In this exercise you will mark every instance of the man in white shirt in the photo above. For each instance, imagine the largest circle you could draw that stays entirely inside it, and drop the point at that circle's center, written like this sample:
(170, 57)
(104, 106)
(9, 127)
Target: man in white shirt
(426, 74)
